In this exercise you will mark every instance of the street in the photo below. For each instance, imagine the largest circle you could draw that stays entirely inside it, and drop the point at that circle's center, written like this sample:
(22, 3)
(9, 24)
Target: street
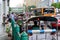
(16, 15)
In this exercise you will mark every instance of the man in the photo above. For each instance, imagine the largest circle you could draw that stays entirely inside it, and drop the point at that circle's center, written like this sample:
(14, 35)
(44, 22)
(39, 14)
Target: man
(12, 15)
(42, 25)
(4, 18)
(35, 26)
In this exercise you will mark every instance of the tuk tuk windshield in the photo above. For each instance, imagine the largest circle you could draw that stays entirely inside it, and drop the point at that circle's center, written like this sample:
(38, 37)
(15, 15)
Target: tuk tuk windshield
(36, 25)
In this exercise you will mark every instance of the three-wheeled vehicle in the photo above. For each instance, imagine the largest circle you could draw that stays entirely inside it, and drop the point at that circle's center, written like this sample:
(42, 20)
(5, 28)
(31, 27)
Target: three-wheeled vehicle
(40, 25)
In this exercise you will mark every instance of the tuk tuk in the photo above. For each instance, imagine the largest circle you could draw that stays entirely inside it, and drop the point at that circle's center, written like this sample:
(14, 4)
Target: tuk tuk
(41, 25)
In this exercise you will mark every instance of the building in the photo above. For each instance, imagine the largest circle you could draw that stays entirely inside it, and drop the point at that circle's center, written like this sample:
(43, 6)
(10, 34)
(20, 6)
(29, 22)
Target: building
(4, 8)
(31, 2)
(46, 3)
(35, 2)
(54, 1)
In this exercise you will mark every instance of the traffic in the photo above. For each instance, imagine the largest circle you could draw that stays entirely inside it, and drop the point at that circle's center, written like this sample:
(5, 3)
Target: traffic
(33, 26)
(30, 26)
(29, 19)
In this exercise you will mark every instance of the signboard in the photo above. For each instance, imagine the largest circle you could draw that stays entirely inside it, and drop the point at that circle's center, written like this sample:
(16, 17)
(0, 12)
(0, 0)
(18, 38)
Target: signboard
(17, 10)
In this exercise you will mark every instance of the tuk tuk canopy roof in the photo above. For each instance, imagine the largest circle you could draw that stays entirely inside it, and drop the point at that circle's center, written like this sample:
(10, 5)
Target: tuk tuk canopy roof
(42, 18)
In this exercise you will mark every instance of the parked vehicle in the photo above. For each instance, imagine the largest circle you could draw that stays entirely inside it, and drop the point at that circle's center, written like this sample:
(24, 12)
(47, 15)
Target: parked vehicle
(58, 22)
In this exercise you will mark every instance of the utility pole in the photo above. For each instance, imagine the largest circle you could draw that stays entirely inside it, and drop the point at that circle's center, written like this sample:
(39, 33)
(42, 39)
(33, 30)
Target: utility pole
(8, 5)
(48, 2)
(57, 6)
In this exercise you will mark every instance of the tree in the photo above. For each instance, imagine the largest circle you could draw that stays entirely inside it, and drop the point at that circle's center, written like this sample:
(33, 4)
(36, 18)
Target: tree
(29, 7)
(9, 9)
(53, 4)
(56, 5)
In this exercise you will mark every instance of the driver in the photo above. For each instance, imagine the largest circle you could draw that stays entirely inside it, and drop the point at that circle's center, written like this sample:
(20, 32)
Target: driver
(35, 26)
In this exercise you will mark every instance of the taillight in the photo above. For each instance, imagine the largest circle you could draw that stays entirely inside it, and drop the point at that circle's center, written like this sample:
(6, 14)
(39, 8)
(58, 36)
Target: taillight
(59, 21)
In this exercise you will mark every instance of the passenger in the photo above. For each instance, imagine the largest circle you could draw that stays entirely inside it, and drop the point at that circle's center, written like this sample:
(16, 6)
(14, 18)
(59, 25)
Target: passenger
(35, 26)
(42, 25)
(45, 26)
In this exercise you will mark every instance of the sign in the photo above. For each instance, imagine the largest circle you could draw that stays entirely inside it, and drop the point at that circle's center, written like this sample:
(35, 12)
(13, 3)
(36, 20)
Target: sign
(18, 10)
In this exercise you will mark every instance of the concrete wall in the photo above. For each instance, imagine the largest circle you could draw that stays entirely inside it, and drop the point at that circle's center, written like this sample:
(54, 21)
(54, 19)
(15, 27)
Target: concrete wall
(3, 9)
(6, 7)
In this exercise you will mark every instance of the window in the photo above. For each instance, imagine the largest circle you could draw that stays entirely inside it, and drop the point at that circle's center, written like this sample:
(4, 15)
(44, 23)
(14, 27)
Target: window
(48, 10)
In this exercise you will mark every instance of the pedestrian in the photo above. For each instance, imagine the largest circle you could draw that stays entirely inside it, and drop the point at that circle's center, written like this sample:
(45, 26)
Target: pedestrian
(8, 16)
(20, 22)
(4, 18)
(17, 32)
(12, 16)
(12, 24)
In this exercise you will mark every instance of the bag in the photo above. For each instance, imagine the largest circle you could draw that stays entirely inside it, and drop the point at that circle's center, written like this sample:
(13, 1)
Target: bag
(7, 30)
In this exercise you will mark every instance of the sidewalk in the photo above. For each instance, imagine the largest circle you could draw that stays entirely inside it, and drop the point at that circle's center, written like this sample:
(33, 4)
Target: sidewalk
(3, 35)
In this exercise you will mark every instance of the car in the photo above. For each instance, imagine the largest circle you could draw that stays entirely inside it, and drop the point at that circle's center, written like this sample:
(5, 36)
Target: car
(54, 24)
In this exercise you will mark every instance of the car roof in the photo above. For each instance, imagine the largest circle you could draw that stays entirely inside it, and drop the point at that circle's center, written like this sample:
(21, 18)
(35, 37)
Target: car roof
(42, 18)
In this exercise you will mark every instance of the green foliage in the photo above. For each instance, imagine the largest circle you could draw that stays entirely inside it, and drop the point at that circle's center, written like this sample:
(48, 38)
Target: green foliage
(9, 9)
(56, 5)
(29, 7)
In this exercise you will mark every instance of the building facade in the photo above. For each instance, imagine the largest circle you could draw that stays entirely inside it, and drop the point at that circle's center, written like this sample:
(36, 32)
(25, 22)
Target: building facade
(35, 2)
(31, 2)
(54, 1)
